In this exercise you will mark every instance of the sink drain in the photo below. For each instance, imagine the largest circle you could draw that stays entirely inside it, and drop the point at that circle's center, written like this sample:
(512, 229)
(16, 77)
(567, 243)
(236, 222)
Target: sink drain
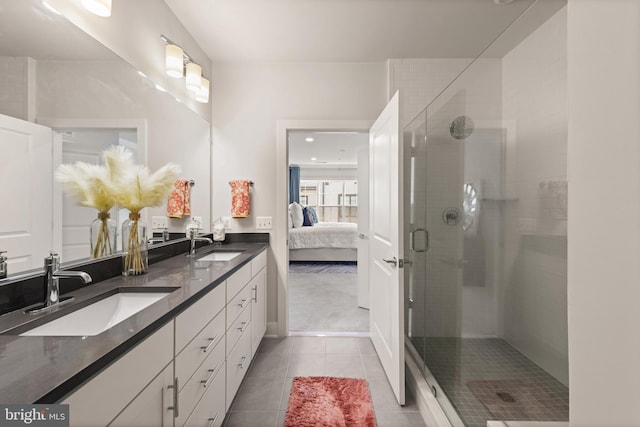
(505, 397)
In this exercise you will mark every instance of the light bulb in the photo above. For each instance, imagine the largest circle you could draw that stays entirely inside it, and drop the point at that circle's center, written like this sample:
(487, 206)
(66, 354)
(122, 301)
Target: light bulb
(174, 64)
(193, 76)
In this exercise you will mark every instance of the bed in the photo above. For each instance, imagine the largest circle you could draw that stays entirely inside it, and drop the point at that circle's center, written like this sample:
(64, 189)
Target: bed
(324, 241)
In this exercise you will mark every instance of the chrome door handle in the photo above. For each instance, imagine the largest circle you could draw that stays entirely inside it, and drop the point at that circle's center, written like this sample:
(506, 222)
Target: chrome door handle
(212, 373)
(212, 421)
(393, 261)
(255, 295)
(244, 303)
(174, 408)
(208, 347)
(412, 240)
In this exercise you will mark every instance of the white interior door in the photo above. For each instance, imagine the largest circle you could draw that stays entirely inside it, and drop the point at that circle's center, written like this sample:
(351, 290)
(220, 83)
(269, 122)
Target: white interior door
(26, 231)
(363, 228)
(386, 313)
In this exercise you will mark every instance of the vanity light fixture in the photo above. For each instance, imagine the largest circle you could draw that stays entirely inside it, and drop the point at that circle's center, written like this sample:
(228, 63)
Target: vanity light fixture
(202, 94)
(98, 7)
(193, 76)
(174, 60)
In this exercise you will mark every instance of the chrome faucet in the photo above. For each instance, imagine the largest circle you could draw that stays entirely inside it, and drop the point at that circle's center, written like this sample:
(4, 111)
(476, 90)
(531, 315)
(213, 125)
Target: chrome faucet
(193, 233)
(53, 276)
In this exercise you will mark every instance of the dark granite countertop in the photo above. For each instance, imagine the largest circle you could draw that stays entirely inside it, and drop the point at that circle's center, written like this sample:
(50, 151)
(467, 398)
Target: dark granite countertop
(46, 369)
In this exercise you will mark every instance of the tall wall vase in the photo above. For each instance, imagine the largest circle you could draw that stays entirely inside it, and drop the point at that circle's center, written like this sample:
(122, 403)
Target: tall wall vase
(103, 235)
(135, 259)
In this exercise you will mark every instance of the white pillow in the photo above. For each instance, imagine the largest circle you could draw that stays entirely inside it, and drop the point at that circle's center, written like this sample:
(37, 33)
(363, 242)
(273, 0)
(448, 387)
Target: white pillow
(296, 214)
(290, 220)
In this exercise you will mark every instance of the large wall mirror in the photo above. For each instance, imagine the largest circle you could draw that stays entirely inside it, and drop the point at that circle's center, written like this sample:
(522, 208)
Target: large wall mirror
(60, 86)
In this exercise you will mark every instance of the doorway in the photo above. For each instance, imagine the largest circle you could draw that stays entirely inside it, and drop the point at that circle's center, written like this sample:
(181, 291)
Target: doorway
(328, 177)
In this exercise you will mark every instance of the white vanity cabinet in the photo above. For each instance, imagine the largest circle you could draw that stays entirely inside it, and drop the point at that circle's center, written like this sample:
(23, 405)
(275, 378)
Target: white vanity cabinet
(258, 287)
(188, 372)
(200, 350)
(98, 402)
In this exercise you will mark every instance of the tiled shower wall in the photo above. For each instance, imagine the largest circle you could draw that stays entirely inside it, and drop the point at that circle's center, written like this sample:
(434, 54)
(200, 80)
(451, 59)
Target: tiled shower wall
(534, 300)
(14, 93)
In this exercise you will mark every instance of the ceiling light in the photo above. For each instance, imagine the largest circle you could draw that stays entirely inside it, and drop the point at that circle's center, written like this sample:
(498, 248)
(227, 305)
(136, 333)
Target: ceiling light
(193, 76)
(51, 8)
(202, 94)
(309, 139)
(313, 159)
(99, 7)
(173, 60)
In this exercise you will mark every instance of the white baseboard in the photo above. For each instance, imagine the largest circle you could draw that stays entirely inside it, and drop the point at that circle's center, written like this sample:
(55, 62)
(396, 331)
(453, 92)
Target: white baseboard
(272, 330)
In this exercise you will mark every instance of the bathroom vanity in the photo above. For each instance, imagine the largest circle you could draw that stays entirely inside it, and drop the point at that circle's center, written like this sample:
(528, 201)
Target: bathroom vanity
(179, 361)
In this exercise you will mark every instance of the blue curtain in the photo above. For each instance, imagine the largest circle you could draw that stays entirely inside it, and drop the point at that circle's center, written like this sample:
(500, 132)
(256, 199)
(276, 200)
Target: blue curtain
(294, 184)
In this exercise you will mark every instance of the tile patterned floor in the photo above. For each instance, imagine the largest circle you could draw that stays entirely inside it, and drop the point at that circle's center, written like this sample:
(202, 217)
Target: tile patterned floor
(264, 394)
(455, 362)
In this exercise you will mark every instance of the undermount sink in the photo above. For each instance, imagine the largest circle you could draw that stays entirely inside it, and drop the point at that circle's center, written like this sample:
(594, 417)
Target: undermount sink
(101, 315)
(220, 256)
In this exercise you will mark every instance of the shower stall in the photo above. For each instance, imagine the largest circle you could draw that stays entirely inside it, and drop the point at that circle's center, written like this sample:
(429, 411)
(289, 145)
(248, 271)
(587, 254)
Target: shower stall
(486, 218)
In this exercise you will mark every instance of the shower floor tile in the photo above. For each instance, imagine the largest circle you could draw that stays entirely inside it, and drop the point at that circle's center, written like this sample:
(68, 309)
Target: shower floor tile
(464, 365)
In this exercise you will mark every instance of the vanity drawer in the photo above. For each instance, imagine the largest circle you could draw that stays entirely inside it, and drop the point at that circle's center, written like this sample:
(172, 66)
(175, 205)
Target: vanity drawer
(258, 263)
(238, 304)
(116, 386)
(237, 365)
(209, 339)
(238, 328)
(199, 383)
(236, 282)
(191, 321)
(210, 411)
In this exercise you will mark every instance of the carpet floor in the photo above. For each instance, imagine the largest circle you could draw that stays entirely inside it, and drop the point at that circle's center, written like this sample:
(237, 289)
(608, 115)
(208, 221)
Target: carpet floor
(329, 402)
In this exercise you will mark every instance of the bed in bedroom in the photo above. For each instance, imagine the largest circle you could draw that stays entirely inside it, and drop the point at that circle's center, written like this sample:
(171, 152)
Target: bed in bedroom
(324, 241)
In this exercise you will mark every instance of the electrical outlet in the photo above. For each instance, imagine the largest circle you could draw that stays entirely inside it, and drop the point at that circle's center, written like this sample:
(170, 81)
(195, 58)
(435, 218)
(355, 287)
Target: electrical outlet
(227, 222)
(263, 223)
(159, 222)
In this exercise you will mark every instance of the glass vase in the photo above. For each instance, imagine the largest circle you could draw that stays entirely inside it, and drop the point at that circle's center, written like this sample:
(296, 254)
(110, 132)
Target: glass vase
(103, 235)
(135, 259)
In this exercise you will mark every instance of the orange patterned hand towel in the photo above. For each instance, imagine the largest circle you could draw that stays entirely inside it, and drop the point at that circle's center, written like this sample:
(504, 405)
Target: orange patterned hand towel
(179, 203)
(240, 198)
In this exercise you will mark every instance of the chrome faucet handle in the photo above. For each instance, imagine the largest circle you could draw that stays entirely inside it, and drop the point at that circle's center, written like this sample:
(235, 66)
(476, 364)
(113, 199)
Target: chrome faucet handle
(52, 262)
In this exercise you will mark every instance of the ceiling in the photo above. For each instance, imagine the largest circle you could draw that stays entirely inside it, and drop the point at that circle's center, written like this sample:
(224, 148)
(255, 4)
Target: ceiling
(329, 149)
(344, 30)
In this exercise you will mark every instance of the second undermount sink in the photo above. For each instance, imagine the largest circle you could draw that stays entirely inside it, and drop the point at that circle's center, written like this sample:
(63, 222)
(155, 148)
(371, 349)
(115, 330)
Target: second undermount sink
(220, 256)
(99, 316)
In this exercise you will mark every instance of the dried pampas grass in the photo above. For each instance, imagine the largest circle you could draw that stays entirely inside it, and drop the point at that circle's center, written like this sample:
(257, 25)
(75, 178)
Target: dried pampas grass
(139, 188)
(90, 184)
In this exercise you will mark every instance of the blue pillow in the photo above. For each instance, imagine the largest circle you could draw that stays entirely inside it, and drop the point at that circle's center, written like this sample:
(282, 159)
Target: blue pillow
(312, 214)
(306, 220)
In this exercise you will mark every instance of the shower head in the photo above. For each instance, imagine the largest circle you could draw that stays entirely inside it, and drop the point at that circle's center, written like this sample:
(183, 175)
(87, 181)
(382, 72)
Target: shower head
(461, 127)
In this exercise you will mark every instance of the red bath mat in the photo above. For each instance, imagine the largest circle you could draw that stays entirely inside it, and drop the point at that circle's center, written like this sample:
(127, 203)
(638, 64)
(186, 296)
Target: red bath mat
(330, 402)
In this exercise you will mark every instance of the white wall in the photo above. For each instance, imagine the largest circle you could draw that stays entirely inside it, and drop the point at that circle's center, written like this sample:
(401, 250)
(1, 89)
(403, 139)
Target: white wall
(328, 173)
(604, 207)
(248, 100)
(534, 304)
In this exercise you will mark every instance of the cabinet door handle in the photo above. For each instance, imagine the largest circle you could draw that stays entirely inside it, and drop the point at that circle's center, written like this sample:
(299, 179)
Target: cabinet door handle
(212, 341)
(255, 295)
(243, 327)
(212, 421)
(241, 364)
(205, 383)
(243, 304)
(175, 388)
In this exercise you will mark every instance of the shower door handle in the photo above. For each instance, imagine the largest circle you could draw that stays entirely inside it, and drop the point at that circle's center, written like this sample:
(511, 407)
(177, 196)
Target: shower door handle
(412, 240)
